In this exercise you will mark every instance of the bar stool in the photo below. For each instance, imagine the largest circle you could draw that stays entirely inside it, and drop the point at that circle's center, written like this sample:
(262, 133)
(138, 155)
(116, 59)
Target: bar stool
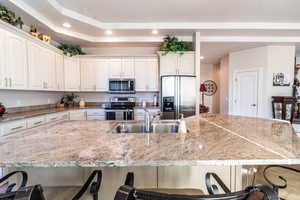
(128, 192)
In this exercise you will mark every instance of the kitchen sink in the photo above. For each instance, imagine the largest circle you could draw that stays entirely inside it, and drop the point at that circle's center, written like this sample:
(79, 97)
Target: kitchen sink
(156, 127)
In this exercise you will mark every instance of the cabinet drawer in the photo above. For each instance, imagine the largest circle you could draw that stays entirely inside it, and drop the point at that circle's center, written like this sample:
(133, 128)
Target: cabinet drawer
(78, 115)
(12, 127)
(37, 121)
(94, 117)
(57, 117)
(95, 112)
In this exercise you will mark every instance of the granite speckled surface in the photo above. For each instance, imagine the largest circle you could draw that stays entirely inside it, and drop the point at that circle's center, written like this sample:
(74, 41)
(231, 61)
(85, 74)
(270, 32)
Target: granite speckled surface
(212, 140)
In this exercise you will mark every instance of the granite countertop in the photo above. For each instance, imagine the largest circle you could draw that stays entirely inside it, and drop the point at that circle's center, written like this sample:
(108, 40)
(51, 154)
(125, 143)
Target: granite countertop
(28, 114)
(211, 140)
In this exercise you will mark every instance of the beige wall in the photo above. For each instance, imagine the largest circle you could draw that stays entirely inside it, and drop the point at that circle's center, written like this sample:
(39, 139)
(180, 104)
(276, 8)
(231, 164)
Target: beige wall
(224, 85)
(209, 72)
(269, 59)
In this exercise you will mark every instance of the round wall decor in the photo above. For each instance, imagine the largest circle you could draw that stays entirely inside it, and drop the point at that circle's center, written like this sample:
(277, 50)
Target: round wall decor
(211, 87)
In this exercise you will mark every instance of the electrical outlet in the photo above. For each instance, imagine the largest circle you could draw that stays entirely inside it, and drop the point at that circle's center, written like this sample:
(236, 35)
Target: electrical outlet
(19, 102)
(49, 101)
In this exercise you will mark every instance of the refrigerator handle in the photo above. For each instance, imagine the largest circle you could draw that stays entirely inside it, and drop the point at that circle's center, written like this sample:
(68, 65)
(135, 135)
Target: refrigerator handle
(178, 97)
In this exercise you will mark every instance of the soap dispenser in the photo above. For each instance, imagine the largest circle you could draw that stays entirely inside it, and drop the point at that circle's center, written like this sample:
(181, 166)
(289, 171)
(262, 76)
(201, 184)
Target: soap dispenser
(182, 125)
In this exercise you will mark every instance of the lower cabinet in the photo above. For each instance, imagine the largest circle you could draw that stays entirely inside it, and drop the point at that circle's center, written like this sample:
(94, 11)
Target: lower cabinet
(11, 127)
(95, 114)
(78, 115)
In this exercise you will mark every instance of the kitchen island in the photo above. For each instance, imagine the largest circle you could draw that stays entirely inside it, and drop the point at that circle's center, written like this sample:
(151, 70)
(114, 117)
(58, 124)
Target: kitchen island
(211, 140)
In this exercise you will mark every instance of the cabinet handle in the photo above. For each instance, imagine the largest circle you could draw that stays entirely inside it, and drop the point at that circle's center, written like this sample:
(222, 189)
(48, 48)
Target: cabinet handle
(5, 82)
(16, 128)
(36, 123)
(54, 118)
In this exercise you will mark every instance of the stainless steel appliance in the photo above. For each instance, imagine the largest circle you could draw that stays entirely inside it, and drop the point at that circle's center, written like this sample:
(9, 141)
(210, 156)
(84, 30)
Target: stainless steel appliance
(121, 86)
(120, 108)
(178, 96)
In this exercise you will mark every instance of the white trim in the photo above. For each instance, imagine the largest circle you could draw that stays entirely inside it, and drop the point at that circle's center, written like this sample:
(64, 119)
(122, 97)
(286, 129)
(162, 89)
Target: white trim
(259, 89)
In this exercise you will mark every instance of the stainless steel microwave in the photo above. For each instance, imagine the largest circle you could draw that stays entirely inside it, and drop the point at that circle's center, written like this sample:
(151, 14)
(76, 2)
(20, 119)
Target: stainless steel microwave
(121, 86)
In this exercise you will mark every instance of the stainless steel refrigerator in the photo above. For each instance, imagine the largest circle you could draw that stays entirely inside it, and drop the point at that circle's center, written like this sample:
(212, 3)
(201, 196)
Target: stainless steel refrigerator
(178, 96)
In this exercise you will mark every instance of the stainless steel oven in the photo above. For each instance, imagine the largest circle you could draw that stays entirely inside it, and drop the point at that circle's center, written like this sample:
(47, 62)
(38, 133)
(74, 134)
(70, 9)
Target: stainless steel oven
(121, 108)
(121, 86)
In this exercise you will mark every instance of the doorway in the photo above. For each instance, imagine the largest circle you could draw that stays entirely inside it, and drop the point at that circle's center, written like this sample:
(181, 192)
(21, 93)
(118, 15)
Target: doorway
(246, 92)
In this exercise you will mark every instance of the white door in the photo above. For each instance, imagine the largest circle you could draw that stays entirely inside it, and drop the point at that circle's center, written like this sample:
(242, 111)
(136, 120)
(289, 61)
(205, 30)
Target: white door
(127, 68)
(115, 67)
(245, 99)
(88, 74)
(59, 71)
(3, 78)
(102, 74)
(35, 67)
(72, 74)
(169, 64)
(16, 61)
(186, 64)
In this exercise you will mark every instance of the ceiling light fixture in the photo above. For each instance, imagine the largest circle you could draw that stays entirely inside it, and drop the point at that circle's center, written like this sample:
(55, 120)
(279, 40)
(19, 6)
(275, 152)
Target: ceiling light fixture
(155, 32)
(108, 32)
(67, 25)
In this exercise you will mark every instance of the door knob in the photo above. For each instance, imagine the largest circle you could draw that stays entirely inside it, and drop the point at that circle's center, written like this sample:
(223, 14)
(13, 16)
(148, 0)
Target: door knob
(254, 105)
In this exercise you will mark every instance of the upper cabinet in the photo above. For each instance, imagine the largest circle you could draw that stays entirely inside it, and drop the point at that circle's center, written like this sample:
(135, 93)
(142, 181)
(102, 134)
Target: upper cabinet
(48, 60)
(59, 71)
(3, 79)
(177, 64)
(72, 73)
(102, 74)
(146, 70)
(88, 74)
(121, 67)
(16, 63)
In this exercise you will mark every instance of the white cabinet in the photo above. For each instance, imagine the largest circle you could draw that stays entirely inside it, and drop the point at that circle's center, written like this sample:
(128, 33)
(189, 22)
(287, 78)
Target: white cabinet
(59, 71)
(16, 65)
(102, 74)
(72, 74)
(49, 76)
(177, 64)
(121, 67)
(95, 114)
(61, 116)
(36, 67)
(139, 113)
(3, 78)
(88, 74)
(12, 127)
(146, 74)
(78, 115)
(127, 68)
(36, 121)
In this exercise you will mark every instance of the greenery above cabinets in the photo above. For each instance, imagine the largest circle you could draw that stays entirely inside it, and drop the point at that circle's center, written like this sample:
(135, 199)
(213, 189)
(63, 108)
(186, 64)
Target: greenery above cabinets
(10, 17)
(172, 44)
(71, 50)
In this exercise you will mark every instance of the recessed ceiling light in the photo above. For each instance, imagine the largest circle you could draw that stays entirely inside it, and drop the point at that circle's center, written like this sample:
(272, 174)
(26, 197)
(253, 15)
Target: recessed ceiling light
(67, 25)
(201, 57)
(108, 32)
(154, 32)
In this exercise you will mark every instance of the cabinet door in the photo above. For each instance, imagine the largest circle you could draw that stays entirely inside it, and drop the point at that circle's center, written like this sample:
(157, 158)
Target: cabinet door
(152, 78)
(127, 68)
(72, 74)
(186, 64)
(168, 64)
(35, 67)
(141, 74)
(3, 78)
(102, 74)
(16, 61)
(146, 74)
(59, 66)
(88, 74)
(115, 67)
(50, 70)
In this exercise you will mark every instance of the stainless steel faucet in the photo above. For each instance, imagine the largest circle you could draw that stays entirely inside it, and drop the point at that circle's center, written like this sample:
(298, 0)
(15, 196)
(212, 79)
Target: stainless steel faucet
(147, 120)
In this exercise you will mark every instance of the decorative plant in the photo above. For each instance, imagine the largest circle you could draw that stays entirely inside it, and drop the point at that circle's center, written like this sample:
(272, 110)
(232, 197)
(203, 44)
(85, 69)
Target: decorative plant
(33, 28)
(10, 17)
(71, 50)
(70, 99)
(172, 44)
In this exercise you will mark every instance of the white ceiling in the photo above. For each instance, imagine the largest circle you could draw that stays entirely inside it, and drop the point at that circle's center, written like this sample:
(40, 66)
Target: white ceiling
(225, 25)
